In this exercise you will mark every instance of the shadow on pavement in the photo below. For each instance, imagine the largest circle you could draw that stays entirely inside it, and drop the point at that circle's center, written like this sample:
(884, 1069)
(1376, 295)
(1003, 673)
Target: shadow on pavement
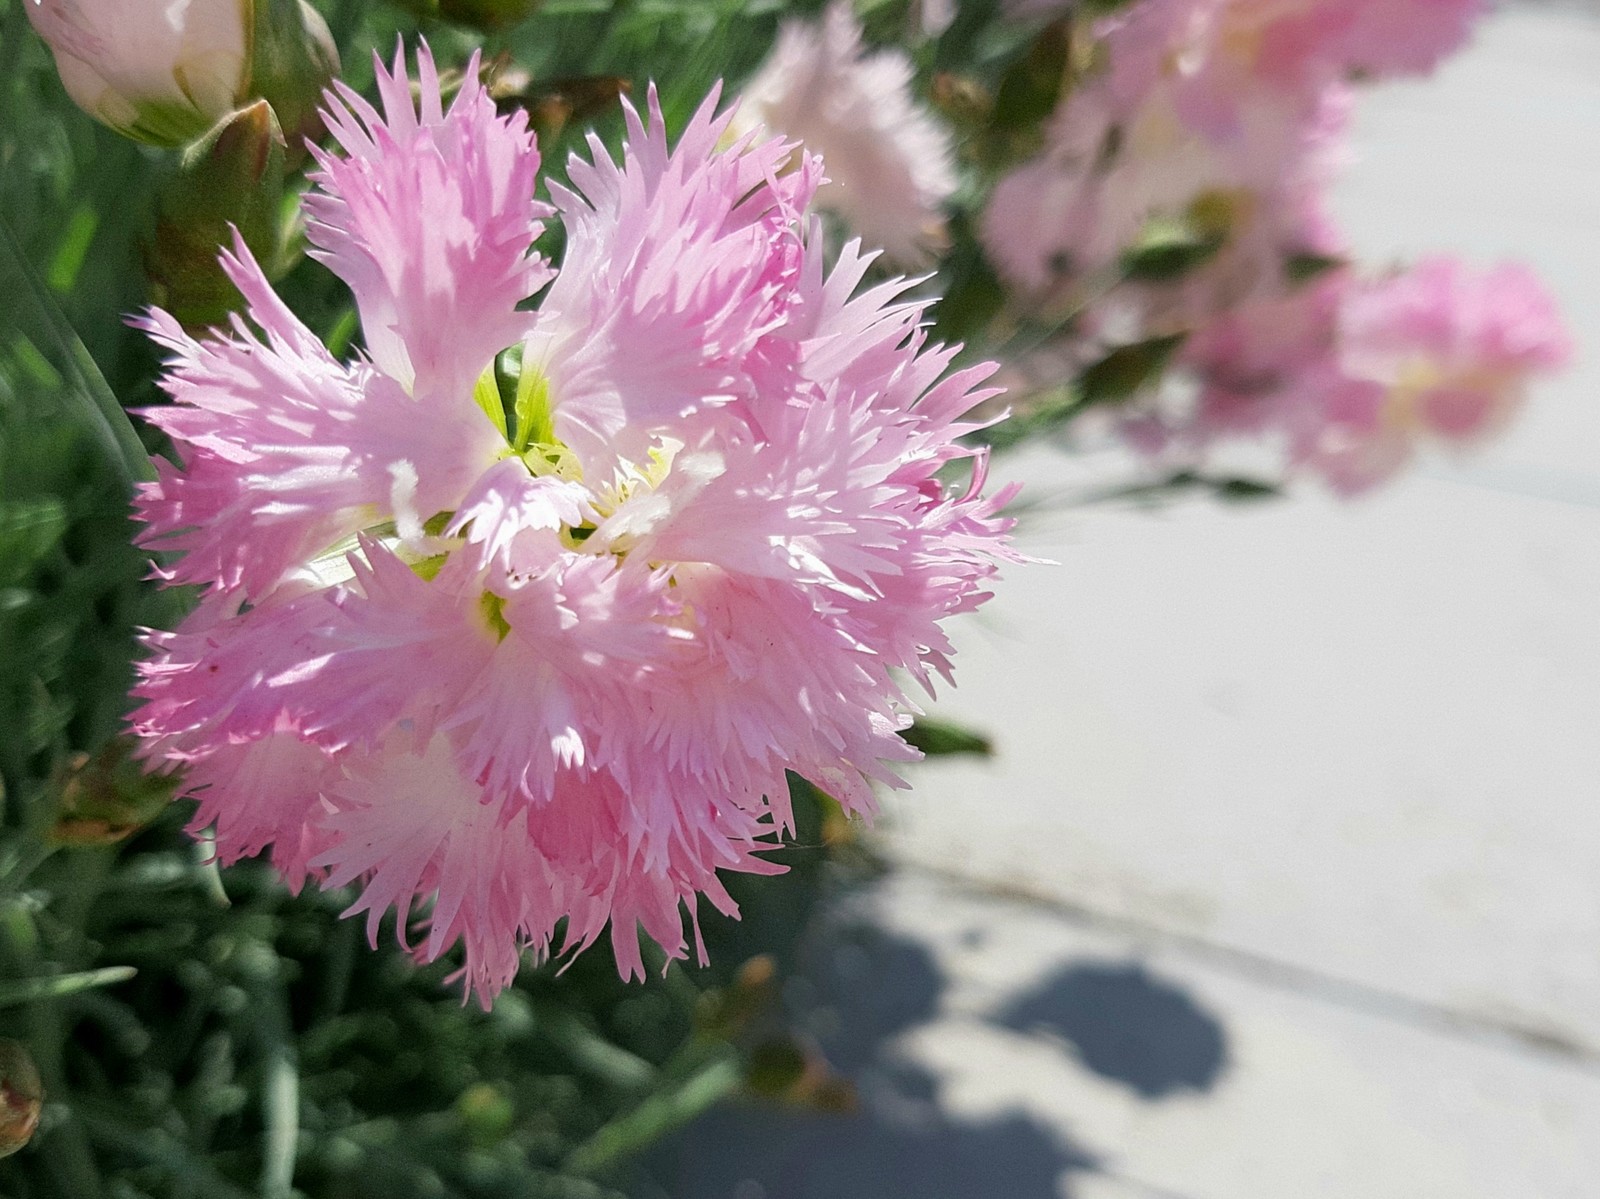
(1127, 1025)
(856, 988)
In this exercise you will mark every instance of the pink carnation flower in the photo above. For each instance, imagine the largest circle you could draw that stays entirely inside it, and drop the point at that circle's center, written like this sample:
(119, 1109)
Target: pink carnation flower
(890, 165)
(507, 670)
(1354, 376)
(1292, 43)
(1234, 105)
(1436, 353)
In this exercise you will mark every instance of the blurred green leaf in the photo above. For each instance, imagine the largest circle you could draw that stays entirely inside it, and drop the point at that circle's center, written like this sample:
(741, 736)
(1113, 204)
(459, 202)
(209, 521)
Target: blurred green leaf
(657, 1115)
(776, 1066)
(1029, 91)
(74, 248)
(93, 403)
(29, 529)
(1229, 488)
(1302, 268)
(1170, 251)
(936, 738)
(1128, 370)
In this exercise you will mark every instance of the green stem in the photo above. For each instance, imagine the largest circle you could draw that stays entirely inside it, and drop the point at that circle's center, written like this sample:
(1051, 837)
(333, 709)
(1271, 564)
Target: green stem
(658, 1115)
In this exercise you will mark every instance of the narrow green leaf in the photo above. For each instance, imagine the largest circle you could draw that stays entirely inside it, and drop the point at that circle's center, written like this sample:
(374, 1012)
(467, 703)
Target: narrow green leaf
(1128, 370)
(1245, 489)
(29, 529)
(938, 737)
(74, 248)
(593, 1053)
(1170, 252)
(1302, 268)
(342, 331)
(1224, 487)
(93, 400)
(29, 990)
(281, 1108)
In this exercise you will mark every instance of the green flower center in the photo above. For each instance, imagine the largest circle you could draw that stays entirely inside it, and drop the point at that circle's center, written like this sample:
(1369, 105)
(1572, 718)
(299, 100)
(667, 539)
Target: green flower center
(516, 399)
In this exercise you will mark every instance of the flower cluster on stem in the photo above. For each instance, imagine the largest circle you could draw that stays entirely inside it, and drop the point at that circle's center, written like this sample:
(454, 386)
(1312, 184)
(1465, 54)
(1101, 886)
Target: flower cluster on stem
(1201, 141)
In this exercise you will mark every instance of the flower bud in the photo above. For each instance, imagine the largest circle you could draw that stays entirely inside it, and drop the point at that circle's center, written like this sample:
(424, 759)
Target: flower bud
(107, 797)
(161, 71)
(232, 180)
(293, 59)
(21, 1097)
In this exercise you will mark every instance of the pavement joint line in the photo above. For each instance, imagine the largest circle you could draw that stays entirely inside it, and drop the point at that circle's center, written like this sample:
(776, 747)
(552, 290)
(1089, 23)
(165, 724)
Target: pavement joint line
(1503, 1034)
(1150, 1190)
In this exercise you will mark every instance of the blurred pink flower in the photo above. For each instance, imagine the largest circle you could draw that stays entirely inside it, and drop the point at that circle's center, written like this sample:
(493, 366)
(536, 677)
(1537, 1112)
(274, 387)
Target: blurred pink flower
(1293, 43)
(1236, 106)
(1354, 376)
(1371, 37)
(505, 670)
(1219, 125)
(1435, 353)
(890, 165)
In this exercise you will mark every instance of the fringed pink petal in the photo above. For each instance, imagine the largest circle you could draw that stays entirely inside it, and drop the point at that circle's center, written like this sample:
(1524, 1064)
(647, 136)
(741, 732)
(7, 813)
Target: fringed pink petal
(430, 217)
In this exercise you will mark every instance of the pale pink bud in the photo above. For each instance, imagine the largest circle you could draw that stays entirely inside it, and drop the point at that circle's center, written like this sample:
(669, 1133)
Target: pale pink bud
(162, 71)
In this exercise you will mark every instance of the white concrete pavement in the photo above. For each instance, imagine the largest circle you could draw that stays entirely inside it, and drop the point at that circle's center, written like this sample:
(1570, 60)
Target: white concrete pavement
(1191, 1074)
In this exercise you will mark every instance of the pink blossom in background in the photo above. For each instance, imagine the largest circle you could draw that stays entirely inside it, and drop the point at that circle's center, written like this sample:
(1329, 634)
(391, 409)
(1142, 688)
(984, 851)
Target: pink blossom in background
(1170, 126)
(1355, 376)
(1435, 354)
(503, 672)
(889, 163)
(1403, 37)
(1225, 120)
(1293, 42)
(1250, 360)
(1068, 214)
(1197, 99)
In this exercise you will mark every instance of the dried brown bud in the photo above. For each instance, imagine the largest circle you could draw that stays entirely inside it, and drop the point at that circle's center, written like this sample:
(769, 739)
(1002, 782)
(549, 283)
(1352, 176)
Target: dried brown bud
(21, 1097)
